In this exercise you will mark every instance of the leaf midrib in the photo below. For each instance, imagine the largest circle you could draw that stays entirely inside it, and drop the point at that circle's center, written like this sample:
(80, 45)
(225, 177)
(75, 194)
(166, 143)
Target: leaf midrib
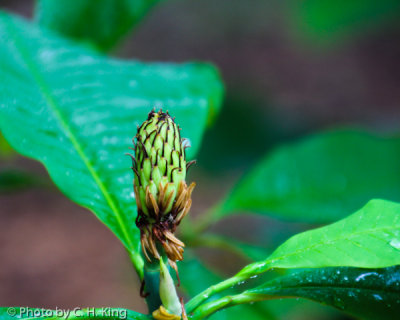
(277, 288)
(51, 102)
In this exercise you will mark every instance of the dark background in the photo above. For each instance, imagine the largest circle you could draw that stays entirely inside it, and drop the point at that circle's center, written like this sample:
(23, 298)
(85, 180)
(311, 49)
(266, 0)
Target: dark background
(283, 81)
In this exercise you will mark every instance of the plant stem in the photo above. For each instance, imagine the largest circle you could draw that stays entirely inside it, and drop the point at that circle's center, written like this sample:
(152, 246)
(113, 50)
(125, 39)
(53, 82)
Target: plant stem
(138, 263)
(208, 309)
(246, 273)
(152, 284)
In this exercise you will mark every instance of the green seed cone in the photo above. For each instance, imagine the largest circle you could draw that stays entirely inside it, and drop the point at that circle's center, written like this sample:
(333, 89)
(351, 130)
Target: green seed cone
(162, 196)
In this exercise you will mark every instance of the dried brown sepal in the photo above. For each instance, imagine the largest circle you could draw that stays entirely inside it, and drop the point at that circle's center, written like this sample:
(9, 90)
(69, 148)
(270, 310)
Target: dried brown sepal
(162, 229)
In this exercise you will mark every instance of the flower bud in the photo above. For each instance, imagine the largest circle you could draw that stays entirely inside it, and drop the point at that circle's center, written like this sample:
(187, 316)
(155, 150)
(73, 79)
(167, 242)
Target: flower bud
(168, 295)
(162, 196)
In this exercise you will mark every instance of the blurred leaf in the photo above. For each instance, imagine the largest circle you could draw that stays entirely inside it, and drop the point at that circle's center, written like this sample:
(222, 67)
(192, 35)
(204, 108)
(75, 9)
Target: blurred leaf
(321, 179)
(5, 149)
(76, 112)
(253, 252)
(244, 250)
(327, 21)
(101, 22)
(369, 238)
(241, 146)
(196, 277)
(13, 179)
(9, 313)
(366, 293)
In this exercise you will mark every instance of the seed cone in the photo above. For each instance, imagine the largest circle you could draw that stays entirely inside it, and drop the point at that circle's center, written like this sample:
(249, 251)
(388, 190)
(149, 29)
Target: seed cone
(162, 196)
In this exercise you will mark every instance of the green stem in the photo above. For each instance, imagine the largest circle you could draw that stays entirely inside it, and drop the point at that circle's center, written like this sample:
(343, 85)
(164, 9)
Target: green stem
(138, 263)
(246, 273)
(208, 309)
(152, 284)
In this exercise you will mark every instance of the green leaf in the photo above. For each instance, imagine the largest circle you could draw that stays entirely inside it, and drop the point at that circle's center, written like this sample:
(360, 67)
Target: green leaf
(100, 22)
(327, 21)
(9, 313)
(365, 293)
(77, 112)
(369, 238)
(321, 179)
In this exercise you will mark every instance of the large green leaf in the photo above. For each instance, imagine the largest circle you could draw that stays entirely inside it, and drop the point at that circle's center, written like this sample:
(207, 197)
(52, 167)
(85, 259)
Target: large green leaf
(320, 179)
(369, 238)
(101, 22)
(366, 293)
(77, 112)
(73, 314)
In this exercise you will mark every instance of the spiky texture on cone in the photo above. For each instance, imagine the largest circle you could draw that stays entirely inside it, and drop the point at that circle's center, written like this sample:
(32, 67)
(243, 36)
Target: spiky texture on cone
(162, 195)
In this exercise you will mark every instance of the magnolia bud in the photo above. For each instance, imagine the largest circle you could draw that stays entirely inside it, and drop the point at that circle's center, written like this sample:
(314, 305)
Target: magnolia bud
(163, 199)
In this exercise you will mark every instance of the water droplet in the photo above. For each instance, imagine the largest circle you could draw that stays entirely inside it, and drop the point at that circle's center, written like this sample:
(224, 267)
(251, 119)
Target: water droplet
(364, 275)
(377, 297)
(395, 243)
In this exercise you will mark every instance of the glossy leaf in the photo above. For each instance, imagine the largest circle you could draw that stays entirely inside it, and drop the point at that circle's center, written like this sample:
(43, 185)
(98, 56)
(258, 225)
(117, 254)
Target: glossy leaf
(321, 179)
(9, 313)
(369, 238)
(100, 22)
(77, 112)
(366, 293)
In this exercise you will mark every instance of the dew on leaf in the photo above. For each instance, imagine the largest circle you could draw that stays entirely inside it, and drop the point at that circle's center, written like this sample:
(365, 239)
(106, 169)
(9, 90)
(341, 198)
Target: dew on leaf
(364, 275)
(377, 297)
(395, 243)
